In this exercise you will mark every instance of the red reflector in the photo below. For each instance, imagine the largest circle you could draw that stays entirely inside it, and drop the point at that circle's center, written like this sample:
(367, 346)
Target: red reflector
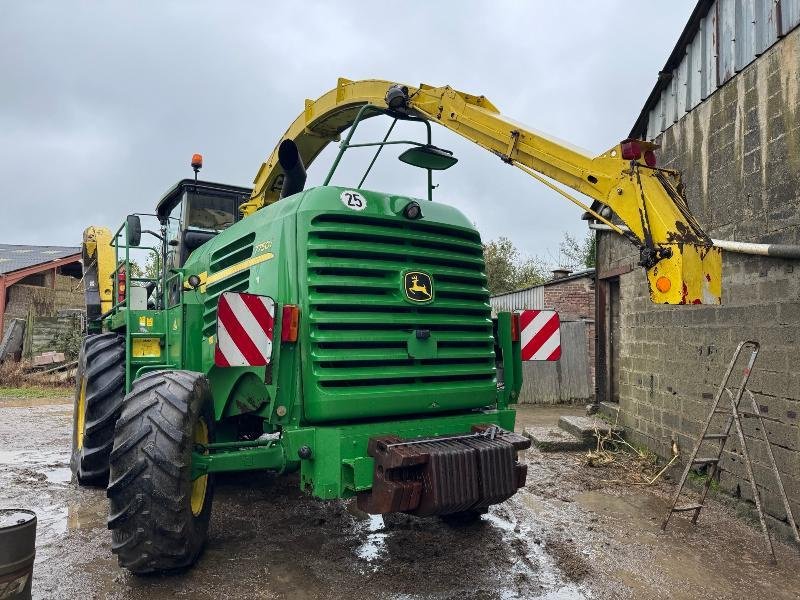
(631, 150)
(514, 327)
(650, 158)
(121, 285)
(290, 319)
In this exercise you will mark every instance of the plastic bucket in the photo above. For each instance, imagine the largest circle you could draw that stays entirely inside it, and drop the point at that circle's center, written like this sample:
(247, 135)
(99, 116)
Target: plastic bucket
(17, 551)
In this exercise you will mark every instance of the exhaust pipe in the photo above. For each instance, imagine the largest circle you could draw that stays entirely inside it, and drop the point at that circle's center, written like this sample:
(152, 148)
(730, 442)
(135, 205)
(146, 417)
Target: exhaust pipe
(294, 173)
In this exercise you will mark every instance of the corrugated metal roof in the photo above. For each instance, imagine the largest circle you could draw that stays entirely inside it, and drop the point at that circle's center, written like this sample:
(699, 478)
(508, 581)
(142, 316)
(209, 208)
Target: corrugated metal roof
(14, 257)
(720, 39)
(531, 297)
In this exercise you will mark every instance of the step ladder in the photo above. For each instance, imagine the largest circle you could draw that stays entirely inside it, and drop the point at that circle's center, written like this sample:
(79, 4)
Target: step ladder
(734, 416)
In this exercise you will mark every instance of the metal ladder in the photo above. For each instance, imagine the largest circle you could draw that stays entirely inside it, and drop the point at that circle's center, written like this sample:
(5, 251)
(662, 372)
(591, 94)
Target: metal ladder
(734, 416)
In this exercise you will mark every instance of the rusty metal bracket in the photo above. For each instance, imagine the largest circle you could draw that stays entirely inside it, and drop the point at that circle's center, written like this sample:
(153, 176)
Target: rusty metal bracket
(512, 147)
(446, 474)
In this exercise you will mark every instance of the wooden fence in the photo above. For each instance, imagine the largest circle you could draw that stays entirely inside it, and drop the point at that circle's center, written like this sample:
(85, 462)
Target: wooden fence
(564, 380)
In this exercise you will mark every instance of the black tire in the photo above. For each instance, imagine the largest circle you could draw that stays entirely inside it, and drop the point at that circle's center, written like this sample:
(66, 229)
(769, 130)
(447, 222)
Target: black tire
(154, 527)
(101, 369)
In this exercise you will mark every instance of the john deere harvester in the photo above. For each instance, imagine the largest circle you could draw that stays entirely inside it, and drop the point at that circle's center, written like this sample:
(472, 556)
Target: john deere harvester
(336, 331)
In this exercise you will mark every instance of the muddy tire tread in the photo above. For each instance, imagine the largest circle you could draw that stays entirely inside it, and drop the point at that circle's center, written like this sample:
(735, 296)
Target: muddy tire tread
(153, 528)
(102, 361)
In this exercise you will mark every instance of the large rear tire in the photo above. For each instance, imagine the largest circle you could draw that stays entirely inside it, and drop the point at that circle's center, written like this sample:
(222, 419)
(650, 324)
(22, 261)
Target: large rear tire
(158, 515)
(99, 390)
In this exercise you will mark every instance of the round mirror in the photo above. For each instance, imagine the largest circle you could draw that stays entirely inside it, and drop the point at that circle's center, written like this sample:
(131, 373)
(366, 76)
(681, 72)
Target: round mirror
(428, 157)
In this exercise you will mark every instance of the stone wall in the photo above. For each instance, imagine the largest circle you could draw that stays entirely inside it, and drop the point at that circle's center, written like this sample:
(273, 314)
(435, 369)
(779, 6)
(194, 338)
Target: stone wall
(740, 155)
(47, 301)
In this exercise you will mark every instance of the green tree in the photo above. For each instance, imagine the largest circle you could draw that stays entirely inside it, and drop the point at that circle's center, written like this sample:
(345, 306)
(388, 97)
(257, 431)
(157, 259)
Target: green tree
(136, 270)
(507, 270)
(579, 254)
(152, 268)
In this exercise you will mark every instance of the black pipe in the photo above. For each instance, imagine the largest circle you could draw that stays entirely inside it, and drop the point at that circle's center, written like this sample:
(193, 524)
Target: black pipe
(294, 173)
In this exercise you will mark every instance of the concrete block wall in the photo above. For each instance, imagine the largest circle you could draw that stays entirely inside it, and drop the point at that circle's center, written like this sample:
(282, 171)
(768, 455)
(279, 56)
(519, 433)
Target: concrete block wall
(739, 152)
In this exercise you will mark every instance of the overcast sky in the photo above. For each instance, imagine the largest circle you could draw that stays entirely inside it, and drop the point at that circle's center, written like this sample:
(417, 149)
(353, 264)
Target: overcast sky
(103, 104)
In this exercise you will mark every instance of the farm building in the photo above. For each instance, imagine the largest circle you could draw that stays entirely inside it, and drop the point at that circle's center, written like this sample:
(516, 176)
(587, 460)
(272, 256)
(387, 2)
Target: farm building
(572, 295)
(37, 283)
(725, 112)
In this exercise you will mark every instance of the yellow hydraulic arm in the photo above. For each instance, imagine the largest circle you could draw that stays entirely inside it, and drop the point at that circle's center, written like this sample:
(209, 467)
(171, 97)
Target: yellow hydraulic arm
(99, 263)
(682, 265)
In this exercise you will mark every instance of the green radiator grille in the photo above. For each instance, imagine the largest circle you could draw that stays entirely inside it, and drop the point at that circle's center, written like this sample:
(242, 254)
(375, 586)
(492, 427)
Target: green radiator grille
(360, 323)
(238, 250)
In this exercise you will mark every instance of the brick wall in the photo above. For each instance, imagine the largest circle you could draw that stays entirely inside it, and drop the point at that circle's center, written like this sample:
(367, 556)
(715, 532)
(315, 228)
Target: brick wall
(740, 155)
(574, 301)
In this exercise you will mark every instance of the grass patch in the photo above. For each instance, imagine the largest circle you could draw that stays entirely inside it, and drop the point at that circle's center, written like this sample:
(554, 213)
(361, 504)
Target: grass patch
(33, 392)
(699, 480)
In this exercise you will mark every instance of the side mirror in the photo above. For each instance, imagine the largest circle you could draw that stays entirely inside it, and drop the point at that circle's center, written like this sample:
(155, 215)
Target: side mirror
(428, 157)
(134, 230)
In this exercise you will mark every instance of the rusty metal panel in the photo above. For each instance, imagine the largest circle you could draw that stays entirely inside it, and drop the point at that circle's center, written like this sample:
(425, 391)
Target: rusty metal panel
(660, 114)
(655, 119)
(681, 76)
(664, 105)
(726, 32)
(708, 34)
(652, 122)
(729, 37)
(789, 15)
(695, 76)
(766, 18)
(669, 105)
(676, 89)
(745, 33)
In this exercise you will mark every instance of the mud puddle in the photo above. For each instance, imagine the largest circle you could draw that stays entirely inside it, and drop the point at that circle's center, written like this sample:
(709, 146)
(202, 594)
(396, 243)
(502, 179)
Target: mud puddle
(266, 540)
(566, 536)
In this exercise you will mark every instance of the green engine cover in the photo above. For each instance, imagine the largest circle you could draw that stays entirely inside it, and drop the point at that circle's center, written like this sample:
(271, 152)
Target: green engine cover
(394, 312)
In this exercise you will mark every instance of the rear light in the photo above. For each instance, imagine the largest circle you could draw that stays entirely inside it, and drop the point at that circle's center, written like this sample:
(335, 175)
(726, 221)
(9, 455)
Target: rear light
(514, 327)
(631, 149)
(650, 158)
(290, 320)
(121, 285)
(663, 284)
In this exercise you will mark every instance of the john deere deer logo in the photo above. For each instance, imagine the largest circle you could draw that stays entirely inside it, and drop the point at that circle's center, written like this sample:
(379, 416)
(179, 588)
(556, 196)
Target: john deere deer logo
(418, 286)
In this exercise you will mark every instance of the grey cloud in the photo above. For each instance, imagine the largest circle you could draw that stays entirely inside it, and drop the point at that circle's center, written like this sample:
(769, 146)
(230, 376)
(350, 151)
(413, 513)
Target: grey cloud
(102, 104)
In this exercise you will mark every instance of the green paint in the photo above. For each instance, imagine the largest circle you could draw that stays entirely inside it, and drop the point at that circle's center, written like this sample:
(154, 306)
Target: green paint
(368, 360)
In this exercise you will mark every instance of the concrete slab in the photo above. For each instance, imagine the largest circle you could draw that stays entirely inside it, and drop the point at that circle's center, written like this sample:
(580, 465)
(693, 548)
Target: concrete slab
(584, 428)
(610, 410)
(553, 439)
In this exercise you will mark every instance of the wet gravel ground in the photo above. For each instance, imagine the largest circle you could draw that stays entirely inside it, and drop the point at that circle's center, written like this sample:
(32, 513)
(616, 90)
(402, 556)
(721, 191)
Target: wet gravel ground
(570, 534)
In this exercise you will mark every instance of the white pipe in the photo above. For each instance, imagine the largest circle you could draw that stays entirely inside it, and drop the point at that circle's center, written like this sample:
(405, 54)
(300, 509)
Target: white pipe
(773, 250)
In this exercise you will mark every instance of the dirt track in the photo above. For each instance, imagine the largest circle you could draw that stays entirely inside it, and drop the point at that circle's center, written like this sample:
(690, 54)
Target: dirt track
(568, 535)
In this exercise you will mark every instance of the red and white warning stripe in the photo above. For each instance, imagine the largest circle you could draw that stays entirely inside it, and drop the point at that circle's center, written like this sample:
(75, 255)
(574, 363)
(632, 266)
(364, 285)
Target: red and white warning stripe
(540, 335)
(245, 323)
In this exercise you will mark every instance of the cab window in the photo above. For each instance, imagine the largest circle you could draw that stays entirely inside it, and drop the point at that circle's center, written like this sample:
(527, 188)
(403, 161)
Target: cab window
(210, 212)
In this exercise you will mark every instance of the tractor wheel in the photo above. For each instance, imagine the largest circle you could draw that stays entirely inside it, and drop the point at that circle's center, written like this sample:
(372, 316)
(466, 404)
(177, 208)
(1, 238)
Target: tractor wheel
(158, 515)
(99, 390)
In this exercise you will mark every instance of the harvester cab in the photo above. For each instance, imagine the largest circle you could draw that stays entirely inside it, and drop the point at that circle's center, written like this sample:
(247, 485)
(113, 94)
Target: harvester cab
(194, 212)
(339, 332)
